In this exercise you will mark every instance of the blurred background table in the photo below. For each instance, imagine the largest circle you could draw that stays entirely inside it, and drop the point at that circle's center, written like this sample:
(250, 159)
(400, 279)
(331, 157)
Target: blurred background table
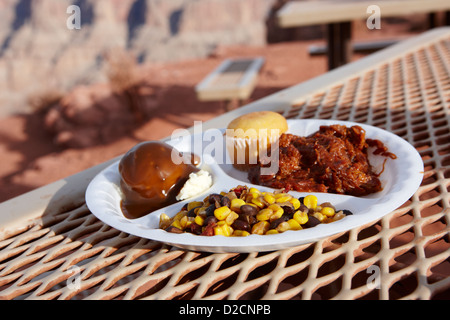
(52, 247)
(338, 16)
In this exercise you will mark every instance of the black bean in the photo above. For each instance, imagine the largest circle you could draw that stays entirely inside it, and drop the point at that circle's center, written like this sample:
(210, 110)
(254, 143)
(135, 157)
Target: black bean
(210, 220)
(347, 212)
(191, 213)
(274, 224)
(312, 222)
(215, 197)
(247, 218)
(303, 208)
(248, 210)
(210, 210)
(288, 210)
(225, 202)
(241, 225)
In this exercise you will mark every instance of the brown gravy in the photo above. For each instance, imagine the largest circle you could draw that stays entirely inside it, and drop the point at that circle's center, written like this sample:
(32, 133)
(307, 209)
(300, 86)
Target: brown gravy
(150, 179)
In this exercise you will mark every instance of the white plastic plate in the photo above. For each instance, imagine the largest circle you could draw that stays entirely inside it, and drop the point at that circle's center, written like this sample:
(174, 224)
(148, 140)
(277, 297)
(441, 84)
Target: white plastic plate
(400, 179)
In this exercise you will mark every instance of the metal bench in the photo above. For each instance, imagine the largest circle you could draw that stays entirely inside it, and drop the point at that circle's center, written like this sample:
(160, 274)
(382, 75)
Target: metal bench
(232, 81)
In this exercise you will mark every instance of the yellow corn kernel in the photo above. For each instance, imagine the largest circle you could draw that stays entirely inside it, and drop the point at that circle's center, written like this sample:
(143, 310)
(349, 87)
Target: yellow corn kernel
(295, 202)
(272, 231)
(277, 214)
(222, 212)
(240, 233)
(218, 231)
(258, 202)
(228, 230)
(223, 229)
(301, 217)
(176, 224)
(264, 214)
(164, 221)
(328, 211)
(284, 199)
(321, 217)
(294, 225)
(252, 195)
(282, 227)
(232, 216)
(280, 194)
(310, 201)
(269, 198)
(277, 210)
(236, 204)
(194, 204)
(185, 222)
(180, 215)
(260, 227)
(199, 220)
(254, 190)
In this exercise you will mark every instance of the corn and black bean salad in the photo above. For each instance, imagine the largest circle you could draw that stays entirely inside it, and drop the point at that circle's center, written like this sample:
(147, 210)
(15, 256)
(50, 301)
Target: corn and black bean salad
(243, 211)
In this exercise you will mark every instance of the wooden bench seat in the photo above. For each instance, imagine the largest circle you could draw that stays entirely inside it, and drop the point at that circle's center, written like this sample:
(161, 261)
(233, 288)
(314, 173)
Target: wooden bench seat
(233, 80)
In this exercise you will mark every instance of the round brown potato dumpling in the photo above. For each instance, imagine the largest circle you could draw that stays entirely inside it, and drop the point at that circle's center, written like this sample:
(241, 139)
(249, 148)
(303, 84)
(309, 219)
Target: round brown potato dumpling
(150, 179)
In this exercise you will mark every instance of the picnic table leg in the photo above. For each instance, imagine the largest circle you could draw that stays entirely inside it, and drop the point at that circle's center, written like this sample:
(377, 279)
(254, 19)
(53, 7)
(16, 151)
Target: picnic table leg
(339, 44)
(432, 20)
(232, 104)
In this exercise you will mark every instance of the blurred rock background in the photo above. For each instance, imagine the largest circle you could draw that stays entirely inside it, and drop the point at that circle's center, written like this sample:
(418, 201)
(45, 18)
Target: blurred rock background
(39, 55)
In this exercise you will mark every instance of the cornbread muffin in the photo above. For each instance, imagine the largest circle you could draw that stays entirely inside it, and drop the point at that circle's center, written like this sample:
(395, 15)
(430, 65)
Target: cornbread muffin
(252, 134)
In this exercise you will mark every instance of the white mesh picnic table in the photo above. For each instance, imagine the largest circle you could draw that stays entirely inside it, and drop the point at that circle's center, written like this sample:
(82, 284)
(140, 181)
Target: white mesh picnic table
(48, 235)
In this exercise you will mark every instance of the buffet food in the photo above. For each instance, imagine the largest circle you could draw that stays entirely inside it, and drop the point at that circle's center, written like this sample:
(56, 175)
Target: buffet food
(250, 136)
(150, 180)
(334, 159)
(243, 211)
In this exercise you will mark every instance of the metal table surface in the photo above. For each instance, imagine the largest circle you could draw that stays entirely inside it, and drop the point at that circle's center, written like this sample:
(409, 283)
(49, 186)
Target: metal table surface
(52, 247)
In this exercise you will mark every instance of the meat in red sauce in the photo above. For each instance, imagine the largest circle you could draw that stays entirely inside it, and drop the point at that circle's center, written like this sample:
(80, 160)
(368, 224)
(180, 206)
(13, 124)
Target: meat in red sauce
(333, 159)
